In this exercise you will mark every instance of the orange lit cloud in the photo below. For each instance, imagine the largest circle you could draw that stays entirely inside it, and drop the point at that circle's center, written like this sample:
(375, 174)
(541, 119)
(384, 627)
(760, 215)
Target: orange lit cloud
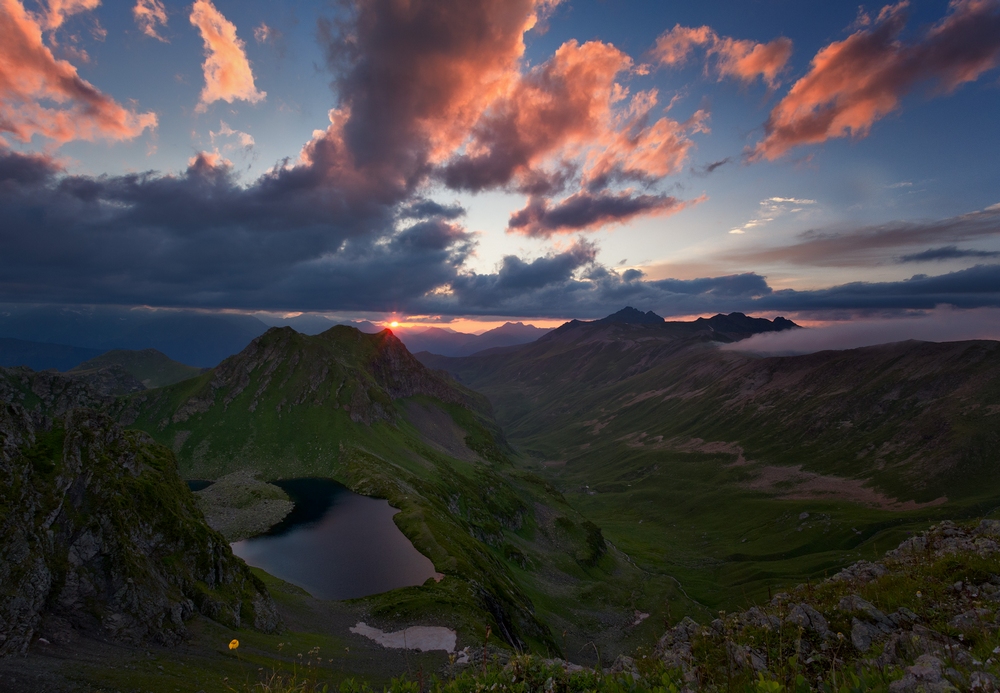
(227, 71)
(407, 105)
(463, 108)
(58, 10)
(741, 59)
(30, 74)
(150, 14)
(855, 82)
(566, 119)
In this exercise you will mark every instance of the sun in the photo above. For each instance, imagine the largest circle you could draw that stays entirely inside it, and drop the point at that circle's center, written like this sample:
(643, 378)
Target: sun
(393, 324)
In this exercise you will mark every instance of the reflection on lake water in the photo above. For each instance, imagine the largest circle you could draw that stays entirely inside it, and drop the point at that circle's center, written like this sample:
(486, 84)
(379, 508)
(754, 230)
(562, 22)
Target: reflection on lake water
(336, 544)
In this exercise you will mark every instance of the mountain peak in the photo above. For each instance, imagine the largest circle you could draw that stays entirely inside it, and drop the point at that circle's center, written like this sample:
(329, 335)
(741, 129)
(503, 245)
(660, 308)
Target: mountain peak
(630, 315)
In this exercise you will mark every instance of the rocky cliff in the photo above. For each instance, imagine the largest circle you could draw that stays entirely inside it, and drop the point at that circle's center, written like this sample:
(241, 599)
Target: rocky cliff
(99, 535)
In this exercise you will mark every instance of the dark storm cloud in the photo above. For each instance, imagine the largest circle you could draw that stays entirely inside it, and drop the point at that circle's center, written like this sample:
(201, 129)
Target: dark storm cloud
(201, 239)
(950, 252)
(870, 245)
(422, 208)
(975, 287)
(585, 210)
(576, 285)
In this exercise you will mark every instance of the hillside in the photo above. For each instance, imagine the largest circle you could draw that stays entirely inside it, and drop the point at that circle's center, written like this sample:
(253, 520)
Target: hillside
(362, 410)
(150, 367)
(732, 472)
(99, 537)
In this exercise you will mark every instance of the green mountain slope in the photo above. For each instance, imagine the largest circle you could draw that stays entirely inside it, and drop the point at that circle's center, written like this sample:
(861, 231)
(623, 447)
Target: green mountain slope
(733, 472)
(149, 366)
(360, 409)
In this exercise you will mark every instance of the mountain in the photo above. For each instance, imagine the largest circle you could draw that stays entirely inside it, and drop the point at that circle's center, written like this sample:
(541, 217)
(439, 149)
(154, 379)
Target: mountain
(361, 409)
(450, 343)
(99, 535)
(199, 339)
(730, 471)
(150, 367)
(40, 356)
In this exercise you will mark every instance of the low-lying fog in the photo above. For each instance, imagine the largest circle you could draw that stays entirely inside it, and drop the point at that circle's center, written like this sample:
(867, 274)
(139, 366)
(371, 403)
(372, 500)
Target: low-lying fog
(941, 325)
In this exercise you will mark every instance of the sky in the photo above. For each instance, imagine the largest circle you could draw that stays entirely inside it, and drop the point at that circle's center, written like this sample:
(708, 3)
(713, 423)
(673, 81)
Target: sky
(472, 161)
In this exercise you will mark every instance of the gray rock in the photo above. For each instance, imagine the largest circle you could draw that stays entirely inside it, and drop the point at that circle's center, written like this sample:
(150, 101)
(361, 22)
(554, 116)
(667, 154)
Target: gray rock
(923, 677)
(808, 618)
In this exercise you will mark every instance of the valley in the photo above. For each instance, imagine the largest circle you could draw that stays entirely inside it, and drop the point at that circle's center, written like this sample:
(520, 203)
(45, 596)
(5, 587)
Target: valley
(573, 496)
(734, 473)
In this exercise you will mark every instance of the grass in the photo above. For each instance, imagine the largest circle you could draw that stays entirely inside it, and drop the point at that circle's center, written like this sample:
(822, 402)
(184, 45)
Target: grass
(281, 412)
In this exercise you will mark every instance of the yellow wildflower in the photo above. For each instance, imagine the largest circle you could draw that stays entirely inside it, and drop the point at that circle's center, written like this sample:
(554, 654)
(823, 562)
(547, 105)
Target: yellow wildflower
(233, 644)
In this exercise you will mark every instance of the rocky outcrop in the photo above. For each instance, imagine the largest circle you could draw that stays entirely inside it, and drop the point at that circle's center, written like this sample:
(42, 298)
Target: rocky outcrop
(239, 505)
(99, 535)
(930, 634)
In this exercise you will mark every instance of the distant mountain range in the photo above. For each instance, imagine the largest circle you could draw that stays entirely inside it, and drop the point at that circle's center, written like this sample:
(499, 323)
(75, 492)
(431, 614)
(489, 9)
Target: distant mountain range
(198, 339)
(62, 338)
(449, 343)
(40, 356)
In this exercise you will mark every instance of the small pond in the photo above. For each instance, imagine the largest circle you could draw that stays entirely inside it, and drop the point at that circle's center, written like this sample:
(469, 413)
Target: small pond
(336, 544)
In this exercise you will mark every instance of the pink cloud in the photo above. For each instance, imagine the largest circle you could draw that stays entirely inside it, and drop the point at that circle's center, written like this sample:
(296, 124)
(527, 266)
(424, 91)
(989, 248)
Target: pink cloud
(150, 14)
(459, 104)
(228, 76)
(30, 74)
(570, 120)
(58, 10)
(853, 83)
(741, 59)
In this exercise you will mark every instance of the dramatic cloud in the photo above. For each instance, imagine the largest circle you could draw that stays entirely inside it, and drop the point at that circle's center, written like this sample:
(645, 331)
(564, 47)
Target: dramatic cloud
(569, 122)
(150, 14)
(30, 74)
(584, 210)
(201, 240)
(855, 82)
(59, 10)
(944, 325)
(875, 244)
(740, 59)
(228, 76)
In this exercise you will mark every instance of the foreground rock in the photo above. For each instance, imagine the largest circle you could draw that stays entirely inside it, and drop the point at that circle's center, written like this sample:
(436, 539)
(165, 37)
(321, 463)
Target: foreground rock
(925, 618)
(99, 535)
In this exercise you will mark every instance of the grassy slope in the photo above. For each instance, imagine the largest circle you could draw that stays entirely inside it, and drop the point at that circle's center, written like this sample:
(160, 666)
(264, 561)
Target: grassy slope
(914, 421)
(149, 366)
(517, 556)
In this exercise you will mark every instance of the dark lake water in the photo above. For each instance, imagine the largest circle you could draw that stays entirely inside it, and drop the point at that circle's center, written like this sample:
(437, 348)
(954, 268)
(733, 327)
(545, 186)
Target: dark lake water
(336, 544)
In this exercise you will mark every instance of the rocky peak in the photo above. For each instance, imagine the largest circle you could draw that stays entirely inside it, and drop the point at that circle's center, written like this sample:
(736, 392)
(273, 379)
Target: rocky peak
(631, 316)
